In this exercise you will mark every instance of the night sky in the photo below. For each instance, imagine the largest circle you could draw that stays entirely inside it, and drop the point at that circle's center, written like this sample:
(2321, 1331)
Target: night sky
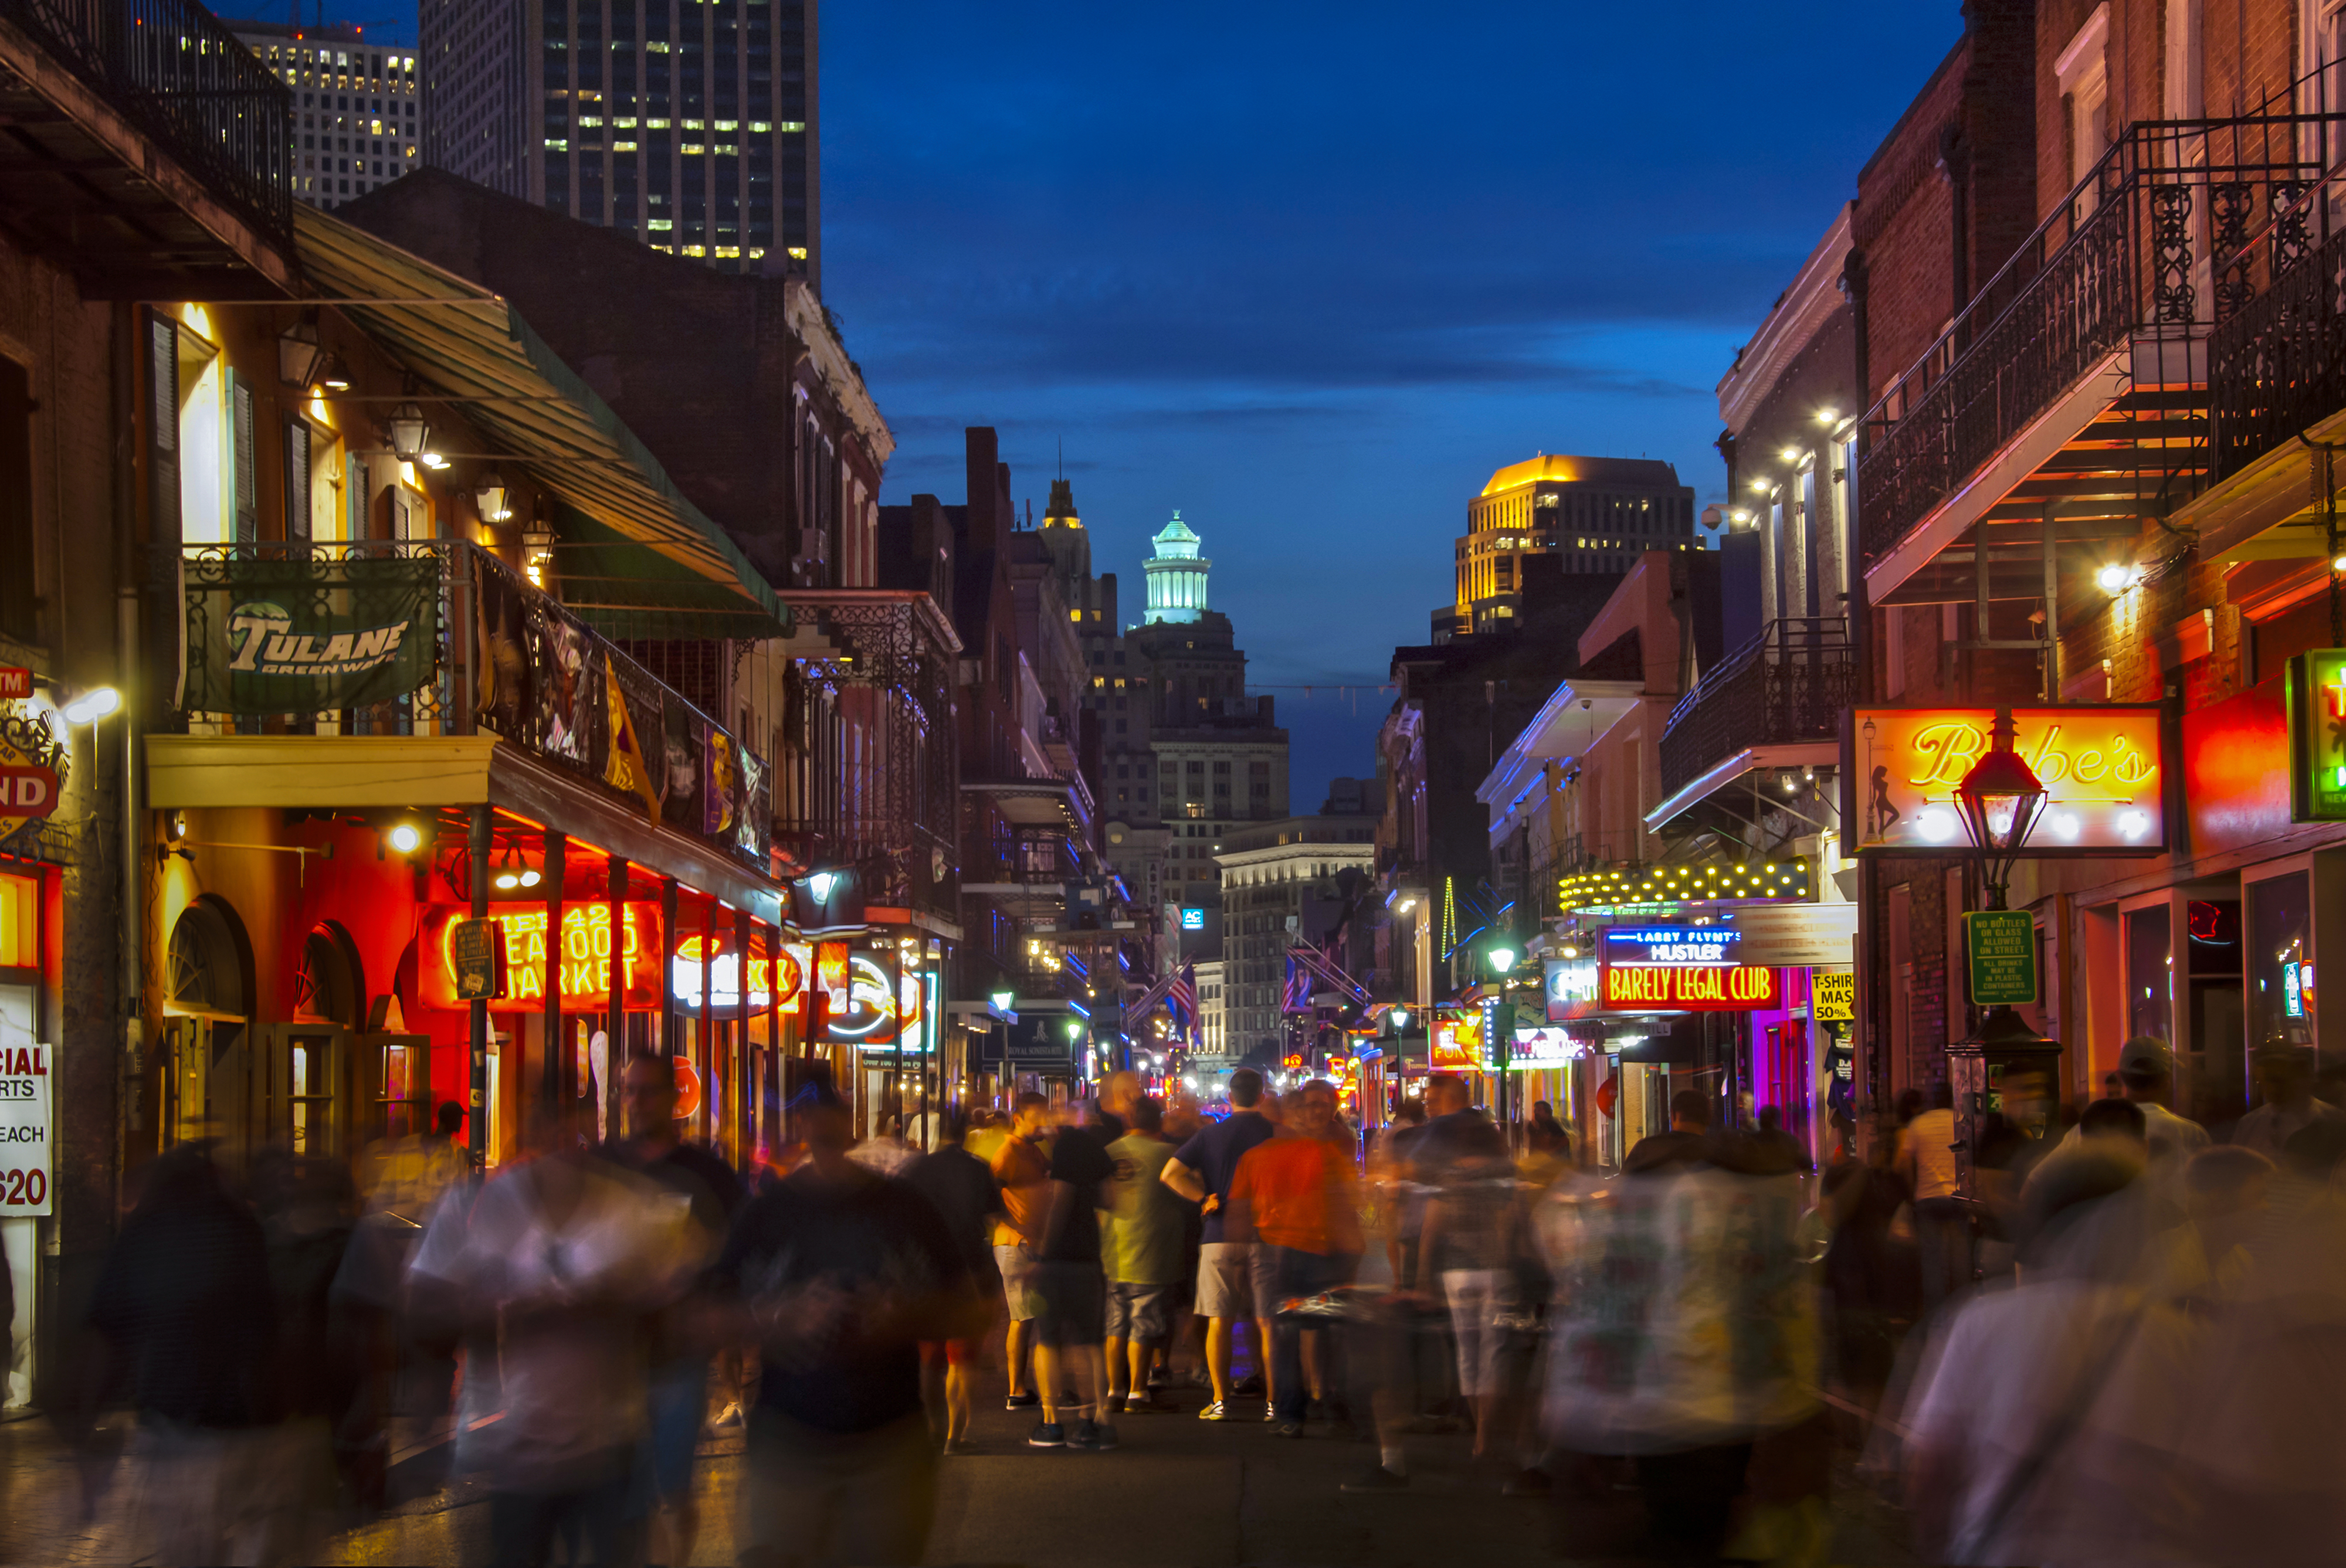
(1310, 272)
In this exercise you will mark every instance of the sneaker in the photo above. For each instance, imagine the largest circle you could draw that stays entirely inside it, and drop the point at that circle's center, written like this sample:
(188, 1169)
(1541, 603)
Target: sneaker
(1287, 1430)
(1116, 1404)
(1216, 1412)
(1147, 1405)
(1022, 1401)
(1376, 1479)
(1048, 1434)
(728, 1420)
(1528, 1483)
(1084, 1438)
(1270, 1412)
(1250, 1384)
(1104, 1437)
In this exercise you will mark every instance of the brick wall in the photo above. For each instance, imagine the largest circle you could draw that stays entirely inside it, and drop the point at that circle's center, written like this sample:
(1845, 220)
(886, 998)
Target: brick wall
(1904, 226)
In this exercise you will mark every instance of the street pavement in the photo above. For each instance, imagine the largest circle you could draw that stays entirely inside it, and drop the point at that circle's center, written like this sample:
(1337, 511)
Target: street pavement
(1179, 1493)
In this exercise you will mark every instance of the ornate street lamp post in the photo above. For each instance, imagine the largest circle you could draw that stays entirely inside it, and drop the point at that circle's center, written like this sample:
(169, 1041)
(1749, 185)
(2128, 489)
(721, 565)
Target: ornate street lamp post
(2006, 1068)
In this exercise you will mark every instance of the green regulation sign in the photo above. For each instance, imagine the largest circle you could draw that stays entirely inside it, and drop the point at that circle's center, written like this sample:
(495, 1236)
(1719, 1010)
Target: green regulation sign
(2002, 946)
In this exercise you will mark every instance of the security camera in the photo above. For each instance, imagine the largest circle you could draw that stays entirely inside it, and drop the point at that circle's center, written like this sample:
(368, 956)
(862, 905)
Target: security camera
(1585, 705)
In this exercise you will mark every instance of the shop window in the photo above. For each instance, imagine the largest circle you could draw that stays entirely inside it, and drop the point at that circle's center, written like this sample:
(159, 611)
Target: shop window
(2280, 980)
(327, 986)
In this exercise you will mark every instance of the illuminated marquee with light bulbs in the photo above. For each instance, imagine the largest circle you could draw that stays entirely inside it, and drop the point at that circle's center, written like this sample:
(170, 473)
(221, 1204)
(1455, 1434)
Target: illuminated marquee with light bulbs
(2103, 766)
(1697, 881)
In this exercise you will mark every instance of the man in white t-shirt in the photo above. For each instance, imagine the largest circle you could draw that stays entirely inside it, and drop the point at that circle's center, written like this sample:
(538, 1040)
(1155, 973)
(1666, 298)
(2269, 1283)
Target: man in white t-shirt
(1942, 1228)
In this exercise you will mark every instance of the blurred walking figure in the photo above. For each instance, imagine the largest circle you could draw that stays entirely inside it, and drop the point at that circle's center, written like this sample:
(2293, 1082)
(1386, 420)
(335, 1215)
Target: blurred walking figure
(1296, 1196)
(184, 1306)
(1022, 1168)
(2145, 1077)
(841, 1274)
(2285, 1078)
(1463, 1249)
(1141, 1249)
(1201, 1170)
(680, 1349)
(1071, 1322)
(549, 1276)
(969, 1200)
(1942, 1226)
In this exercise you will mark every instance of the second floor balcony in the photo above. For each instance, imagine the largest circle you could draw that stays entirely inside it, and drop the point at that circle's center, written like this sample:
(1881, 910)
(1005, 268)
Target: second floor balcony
(2070, 399)
(74, 178)
(1786, 686)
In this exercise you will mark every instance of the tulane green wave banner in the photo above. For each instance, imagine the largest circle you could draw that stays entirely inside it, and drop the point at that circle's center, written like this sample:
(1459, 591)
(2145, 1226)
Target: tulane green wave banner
(308, 634)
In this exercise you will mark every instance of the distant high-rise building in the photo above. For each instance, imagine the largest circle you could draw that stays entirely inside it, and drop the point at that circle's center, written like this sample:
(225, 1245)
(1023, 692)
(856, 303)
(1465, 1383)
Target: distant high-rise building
(691, 127)
(1592, 514)
(354, 106)
(1177, 574)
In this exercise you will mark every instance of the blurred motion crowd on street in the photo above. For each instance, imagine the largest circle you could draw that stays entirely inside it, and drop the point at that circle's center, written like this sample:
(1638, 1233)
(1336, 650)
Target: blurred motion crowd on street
(2126, 1344)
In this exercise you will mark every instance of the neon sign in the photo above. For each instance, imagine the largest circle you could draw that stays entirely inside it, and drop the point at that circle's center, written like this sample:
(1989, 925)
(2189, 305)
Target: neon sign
(1680, 945)
(725, 976)
(584, 956)
(872, 1007)
(2103, 767)
(2317, 736)
(1689, 988)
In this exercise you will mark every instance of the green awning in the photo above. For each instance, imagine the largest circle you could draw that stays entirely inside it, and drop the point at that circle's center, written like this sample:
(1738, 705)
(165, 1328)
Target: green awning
(641, 548)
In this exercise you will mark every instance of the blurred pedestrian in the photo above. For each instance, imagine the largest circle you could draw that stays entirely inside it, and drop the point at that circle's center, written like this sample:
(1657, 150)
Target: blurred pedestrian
(184, 1306)
(840, 1273)
(2145, 1076)
(886, 1150)
(2285, 1079)
(680, 1352)
(1686, 1142)
(1201, 1170)
(550, 1275)
(1141, 1250)
(1297, 1198)
(405, 1175)
(1780, 1147)
(1071, 1322)
(1943, 1225)
(1464, 1253)
(969, 1200)
(1022, 1168)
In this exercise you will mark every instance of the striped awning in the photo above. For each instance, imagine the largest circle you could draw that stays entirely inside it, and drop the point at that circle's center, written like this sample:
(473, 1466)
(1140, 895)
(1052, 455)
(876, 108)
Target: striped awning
(467, 347)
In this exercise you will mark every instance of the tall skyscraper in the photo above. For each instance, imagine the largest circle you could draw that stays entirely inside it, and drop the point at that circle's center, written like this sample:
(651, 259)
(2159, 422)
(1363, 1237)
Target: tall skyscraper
(354, 106)
(1592, 514)
(690, 124)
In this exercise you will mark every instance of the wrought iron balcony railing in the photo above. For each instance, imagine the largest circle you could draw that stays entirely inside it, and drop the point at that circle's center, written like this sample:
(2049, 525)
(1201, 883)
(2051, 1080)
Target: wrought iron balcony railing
(871, 761)
(2277, 366)
(174, 70)
(2179, 227)
(1789, 683)
(440, 637)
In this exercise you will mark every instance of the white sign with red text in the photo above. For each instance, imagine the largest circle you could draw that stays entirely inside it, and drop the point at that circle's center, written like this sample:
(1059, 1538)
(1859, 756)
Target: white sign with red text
(25, 1140)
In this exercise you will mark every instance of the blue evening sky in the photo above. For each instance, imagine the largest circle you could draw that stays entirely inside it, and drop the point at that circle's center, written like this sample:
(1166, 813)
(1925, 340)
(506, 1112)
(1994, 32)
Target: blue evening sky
(1310, 272)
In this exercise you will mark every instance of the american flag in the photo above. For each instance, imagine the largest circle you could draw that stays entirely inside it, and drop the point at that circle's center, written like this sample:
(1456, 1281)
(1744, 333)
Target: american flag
(1183, 995)
(1298, 995)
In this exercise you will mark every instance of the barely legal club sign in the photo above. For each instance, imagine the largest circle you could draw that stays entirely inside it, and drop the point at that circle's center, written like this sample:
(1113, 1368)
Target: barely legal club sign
(1685, 969)
(2102, 766)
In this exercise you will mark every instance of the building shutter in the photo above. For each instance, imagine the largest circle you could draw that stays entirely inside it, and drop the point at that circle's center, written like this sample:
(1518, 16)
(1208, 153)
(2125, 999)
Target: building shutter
(355, 497)
(297, 479)
(248, 482)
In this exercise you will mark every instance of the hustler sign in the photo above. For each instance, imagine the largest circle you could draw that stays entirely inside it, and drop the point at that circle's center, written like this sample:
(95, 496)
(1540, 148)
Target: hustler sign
(1682, 968)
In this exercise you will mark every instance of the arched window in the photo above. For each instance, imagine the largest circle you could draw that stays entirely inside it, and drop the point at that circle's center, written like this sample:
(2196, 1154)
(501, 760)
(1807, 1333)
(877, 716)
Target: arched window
(328, 986)
(207, 961)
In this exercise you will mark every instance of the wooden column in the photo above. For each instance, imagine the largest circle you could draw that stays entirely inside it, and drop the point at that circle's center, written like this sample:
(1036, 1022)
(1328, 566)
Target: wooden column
(478, 850)
(615, 1025)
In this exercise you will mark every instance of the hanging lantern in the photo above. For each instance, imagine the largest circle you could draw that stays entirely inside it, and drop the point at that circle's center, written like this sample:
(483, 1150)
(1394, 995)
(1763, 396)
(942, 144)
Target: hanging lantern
(409, 431)
(489, 496)
(300, 354)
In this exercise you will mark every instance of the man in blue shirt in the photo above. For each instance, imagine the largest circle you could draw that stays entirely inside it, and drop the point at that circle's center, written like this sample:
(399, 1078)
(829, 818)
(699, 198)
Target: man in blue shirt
(1201, 1170)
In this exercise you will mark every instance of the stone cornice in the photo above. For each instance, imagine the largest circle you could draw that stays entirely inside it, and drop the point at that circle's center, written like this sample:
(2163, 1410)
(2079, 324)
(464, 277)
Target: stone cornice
(1806, 307)
(840, 376)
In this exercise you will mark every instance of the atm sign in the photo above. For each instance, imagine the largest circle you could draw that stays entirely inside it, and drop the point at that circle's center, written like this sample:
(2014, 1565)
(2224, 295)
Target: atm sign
(1698, 988)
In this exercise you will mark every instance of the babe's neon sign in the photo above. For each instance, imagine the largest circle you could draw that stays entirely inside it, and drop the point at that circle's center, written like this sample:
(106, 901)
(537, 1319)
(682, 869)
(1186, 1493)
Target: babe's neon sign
(2102, 767)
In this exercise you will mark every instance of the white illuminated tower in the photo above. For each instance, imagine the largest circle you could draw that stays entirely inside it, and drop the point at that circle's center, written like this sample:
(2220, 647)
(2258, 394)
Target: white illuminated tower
(1177, 574)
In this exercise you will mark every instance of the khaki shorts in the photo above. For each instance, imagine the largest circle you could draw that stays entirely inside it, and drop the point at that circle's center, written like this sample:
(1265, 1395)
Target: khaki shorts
(1017, 1266)
(1225, 1285)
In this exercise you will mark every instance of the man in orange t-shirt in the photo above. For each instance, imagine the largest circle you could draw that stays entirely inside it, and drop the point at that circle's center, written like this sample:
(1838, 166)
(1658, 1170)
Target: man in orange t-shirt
(1297, 1198)
(1022, 1167)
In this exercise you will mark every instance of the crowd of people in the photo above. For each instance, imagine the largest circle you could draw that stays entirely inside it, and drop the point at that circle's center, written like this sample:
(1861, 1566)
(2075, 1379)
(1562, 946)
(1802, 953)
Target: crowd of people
(2122, 1345)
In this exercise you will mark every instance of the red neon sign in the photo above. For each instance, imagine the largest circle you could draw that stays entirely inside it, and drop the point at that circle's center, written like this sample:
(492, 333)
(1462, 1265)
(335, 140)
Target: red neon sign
(585, 956)
(1691, 988)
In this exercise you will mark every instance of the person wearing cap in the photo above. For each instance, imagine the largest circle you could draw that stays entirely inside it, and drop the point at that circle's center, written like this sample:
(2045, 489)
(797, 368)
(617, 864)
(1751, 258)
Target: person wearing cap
(2145, 1075)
